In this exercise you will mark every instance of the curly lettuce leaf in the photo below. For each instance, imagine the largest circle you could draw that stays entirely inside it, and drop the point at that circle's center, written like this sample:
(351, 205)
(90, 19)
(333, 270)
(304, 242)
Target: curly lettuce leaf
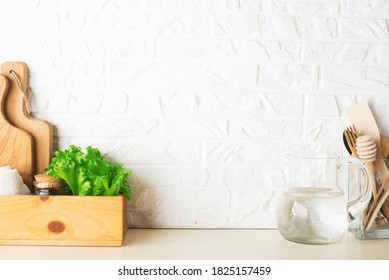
(89, 173)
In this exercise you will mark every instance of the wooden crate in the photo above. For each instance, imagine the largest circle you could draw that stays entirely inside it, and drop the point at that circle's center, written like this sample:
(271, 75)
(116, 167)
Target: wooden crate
(62, 220)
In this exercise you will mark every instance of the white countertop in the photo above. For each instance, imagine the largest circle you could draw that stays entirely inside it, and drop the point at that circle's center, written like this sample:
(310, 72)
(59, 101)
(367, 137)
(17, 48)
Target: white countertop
(201, 244)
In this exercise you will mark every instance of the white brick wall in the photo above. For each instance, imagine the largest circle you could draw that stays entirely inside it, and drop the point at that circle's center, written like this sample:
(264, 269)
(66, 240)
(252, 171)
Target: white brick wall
(201, 98)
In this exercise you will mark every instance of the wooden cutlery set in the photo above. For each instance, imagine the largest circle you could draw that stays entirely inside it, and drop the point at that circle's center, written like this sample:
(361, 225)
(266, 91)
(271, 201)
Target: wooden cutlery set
(363, 140)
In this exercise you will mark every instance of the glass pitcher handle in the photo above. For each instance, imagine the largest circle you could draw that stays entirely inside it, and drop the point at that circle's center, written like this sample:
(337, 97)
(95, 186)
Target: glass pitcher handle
(356, 207)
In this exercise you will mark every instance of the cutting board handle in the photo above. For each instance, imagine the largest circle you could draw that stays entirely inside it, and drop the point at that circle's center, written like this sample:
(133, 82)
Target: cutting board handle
(24, 92)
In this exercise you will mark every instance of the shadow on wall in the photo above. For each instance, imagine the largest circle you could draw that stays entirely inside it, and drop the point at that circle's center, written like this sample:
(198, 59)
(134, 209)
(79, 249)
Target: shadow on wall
(141, 210)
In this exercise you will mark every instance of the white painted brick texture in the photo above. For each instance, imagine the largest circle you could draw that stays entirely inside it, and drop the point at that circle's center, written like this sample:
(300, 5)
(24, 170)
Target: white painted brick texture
(201, 98)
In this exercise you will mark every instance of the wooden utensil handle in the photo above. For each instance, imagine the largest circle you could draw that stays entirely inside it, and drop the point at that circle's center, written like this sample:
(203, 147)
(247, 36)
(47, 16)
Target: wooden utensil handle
(379, 200)
(370, 170)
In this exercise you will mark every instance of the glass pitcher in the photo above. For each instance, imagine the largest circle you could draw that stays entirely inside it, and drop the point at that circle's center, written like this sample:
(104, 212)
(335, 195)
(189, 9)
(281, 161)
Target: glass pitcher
(314, 208)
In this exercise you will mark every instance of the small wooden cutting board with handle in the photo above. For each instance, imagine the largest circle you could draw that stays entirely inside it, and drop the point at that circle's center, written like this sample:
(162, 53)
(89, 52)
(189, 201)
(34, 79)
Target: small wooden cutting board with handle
(16, 145)
(16, 112)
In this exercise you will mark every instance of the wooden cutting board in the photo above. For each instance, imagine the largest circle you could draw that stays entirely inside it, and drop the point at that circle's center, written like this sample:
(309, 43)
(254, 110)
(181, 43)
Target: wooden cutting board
(16, 145)
(16, 112)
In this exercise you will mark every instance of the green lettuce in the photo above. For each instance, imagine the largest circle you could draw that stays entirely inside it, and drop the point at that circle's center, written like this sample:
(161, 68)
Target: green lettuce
(89, 173)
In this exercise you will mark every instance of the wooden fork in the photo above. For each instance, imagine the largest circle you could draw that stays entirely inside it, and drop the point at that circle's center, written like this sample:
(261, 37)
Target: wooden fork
(351, 137)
